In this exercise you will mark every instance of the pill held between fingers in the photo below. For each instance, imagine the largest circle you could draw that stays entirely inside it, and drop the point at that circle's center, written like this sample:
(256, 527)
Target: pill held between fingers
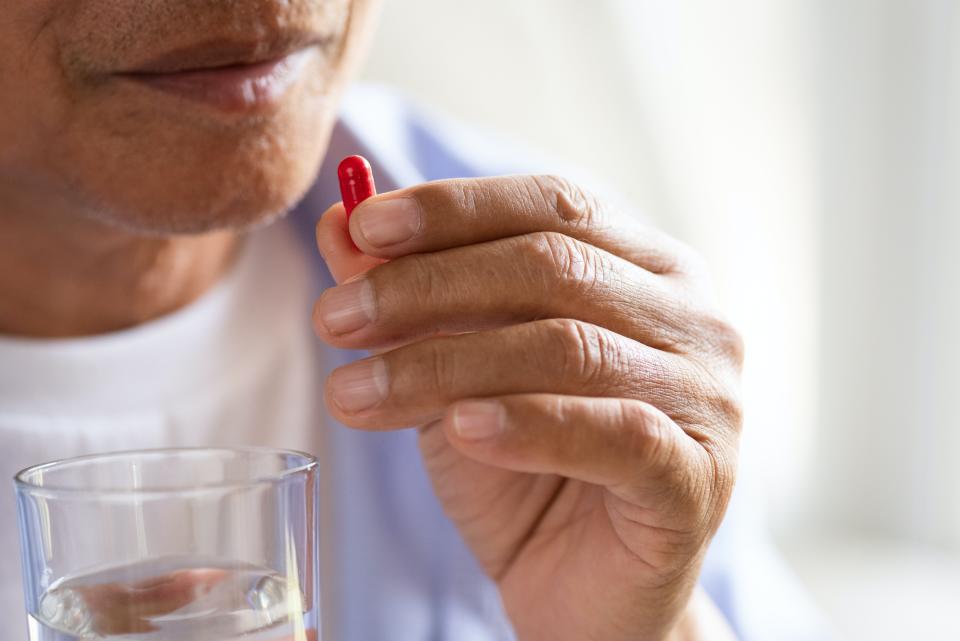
(356, 182)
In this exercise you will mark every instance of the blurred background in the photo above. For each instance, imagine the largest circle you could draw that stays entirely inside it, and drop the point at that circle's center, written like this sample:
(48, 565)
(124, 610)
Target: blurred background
(808, 148)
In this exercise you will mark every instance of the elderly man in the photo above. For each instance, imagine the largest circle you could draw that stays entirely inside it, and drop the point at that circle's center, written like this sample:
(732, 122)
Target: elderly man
(574, 388)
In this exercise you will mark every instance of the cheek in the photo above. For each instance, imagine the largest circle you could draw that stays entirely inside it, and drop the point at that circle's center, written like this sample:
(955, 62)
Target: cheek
(33, 94)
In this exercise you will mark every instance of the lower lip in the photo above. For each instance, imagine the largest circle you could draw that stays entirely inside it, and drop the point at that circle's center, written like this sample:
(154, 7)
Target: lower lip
(233, 89)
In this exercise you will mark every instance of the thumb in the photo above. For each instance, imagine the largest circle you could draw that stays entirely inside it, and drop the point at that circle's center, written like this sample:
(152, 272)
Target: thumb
(333, 240)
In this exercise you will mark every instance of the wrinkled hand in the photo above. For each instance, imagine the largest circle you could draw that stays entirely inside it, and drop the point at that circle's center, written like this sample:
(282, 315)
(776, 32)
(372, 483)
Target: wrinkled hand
(576, 388)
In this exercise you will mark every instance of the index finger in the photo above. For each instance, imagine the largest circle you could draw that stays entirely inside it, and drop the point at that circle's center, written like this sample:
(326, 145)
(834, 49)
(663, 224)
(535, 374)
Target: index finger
(453, 213)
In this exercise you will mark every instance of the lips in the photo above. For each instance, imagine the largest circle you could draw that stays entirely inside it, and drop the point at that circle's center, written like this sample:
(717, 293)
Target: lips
(225, 52)
(229, 75)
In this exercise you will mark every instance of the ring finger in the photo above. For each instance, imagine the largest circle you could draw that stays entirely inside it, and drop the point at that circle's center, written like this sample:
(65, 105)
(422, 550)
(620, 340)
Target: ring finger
(518, 279)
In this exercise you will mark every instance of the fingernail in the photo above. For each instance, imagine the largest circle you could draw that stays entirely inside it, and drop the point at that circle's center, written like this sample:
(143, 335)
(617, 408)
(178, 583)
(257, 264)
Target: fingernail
(475, 420)
(388, 222)
(360, 386)
(348, 307)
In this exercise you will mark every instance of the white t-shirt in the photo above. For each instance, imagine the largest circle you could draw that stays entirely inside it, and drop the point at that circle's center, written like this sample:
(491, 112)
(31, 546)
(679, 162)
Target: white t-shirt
(236, 367)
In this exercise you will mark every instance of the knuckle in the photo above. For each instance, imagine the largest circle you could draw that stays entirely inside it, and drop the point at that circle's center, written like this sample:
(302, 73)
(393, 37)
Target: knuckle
(725, 403)
(649, 442)
(708, 403)
(671, 484)
(725, 463)
(574, 206)
(707, 492)
(693, 488)
(723, 339)
(708, 333)
(421, 279)
(731, 405)
(586, 354)
(424, 285)
(568, 260)
(705, 401)
(441, 368)
(723, 470)
(461, 195)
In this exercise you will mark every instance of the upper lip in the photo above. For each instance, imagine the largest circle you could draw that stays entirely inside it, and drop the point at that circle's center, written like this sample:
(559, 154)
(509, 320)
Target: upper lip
(224, 52)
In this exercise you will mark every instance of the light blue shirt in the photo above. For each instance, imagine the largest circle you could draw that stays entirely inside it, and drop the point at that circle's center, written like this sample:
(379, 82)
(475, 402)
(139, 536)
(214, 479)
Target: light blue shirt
(399, 568)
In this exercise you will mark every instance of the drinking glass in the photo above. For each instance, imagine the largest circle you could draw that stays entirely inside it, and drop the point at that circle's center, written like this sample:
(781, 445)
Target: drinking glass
(185, 544)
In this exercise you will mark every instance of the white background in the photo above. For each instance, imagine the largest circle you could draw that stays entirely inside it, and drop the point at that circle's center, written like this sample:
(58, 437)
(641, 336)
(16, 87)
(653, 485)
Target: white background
(808, 148)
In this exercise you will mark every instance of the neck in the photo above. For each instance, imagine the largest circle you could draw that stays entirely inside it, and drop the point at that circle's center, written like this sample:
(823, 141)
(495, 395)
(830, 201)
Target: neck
(62, 276)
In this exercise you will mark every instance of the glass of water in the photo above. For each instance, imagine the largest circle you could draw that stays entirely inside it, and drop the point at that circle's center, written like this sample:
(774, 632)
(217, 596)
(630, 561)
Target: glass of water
(174, 544)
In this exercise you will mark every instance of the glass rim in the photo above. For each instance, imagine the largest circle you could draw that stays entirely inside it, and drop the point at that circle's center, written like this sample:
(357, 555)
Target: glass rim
(24, 485)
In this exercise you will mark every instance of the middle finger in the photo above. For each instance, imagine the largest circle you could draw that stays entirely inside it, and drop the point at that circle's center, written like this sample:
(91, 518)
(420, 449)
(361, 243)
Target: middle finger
(512, 280)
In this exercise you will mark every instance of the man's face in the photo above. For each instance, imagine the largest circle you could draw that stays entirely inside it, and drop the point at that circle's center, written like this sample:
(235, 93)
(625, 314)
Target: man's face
(170, 115)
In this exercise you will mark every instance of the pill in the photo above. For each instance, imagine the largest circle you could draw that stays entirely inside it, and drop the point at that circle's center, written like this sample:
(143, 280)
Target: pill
(356, 182)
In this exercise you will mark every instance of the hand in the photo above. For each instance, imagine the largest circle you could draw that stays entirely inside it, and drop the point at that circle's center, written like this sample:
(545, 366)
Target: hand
(576, 388)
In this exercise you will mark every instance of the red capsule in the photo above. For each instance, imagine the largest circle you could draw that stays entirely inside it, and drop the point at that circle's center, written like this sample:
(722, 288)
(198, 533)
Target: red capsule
(356, 182)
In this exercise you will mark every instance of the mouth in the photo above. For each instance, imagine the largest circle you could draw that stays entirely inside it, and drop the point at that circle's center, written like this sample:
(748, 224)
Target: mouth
(231, 76)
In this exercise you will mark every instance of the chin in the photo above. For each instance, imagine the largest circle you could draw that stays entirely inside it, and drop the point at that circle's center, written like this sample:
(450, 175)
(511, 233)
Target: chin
(214, 197)
(155, 172)
(244, 187)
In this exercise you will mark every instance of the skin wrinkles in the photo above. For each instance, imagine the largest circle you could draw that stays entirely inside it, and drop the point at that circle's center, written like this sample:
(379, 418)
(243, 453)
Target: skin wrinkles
(110, 190)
